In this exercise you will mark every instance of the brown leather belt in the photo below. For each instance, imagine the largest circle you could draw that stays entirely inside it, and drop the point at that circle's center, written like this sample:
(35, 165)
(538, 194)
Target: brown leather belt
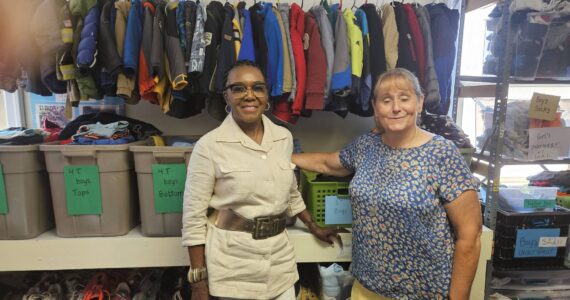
(260, 227)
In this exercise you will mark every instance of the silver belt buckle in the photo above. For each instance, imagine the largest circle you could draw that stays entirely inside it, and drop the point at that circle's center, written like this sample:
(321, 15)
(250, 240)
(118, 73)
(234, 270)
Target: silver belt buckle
(265, 227)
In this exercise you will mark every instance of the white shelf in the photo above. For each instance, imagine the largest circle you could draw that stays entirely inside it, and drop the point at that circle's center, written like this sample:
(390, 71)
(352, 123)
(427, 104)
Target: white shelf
(133, 250)
(50, 252)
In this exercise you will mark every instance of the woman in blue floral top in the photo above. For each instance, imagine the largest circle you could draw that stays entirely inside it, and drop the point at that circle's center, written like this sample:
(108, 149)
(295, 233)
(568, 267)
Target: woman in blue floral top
(416, 217)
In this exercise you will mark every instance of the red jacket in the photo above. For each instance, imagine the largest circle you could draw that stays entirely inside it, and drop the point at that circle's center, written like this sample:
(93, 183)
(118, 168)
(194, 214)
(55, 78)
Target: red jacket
(297, 31)
(316, 64)
(418, 39)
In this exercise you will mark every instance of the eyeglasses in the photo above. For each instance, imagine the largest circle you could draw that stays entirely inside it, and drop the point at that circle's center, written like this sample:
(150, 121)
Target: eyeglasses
(240, 90)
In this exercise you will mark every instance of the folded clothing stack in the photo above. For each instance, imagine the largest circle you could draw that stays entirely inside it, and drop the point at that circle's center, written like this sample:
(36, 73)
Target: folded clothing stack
(103, 134)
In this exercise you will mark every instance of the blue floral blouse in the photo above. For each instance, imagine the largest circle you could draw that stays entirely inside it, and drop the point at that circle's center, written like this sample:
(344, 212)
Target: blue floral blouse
(402, 240)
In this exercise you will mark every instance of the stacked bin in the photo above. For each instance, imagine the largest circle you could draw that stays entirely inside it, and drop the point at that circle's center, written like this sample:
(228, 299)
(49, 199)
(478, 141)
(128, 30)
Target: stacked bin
(26, 209)
(117, 189)
(154, 220)
(534, 226)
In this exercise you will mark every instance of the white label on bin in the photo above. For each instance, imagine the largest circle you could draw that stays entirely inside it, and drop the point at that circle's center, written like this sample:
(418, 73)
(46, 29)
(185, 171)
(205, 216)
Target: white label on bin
(552, 242)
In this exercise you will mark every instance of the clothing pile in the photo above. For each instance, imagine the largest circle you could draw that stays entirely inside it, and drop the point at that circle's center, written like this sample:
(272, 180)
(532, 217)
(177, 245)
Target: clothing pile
(444, 126)
(174, 54)
(167, 283)
(559, 179)
(105, 129)
(516, 132)
(541, 41)
(22, 136)
(99, 134)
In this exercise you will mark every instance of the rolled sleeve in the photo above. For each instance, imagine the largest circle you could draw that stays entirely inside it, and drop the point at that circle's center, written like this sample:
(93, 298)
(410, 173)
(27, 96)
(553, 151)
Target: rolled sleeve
(197, 194)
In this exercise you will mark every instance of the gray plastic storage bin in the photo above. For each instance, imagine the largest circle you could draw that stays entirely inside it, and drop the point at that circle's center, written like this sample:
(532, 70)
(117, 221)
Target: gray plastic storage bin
(117, 182)
(27, 193)
(154, 223)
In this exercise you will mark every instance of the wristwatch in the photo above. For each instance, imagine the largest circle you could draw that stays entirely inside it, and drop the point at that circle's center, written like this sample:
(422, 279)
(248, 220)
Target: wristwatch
(196, 275)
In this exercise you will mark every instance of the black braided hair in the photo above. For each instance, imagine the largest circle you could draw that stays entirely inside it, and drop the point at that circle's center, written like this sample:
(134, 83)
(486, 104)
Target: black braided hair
(242, 63)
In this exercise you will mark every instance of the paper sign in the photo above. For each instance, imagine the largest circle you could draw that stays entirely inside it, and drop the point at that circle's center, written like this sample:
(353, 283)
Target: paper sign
(543, 106)
(169, 181)
(337, 210)
(552, 242)
(83, 190)
(3, 198)
(548, 143)
(346, 251)
(528, 241)
(539, 203)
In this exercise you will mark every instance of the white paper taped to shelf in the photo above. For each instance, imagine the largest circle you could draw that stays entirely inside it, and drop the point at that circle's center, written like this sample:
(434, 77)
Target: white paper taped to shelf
(548, 143)
(549, 242)
(346, 251)
(543, 107)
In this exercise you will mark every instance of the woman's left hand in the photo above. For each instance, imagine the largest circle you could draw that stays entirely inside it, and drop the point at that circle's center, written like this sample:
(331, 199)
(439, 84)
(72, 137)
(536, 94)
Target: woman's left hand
(327, 235)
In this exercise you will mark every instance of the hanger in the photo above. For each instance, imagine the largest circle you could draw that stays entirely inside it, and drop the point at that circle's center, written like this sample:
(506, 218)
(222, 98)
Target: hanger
(302, 3)
(353, 5)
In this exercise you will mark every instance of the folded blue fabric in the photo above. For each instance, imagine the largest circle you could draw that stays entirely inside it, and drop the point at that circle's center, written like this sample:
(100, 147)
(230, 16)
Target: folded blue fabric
(88, 141)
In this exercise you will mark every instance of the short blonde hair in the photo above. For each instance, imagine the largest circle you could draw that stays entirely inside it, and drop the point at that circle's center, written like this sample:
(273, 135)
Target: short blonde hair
(399, 74)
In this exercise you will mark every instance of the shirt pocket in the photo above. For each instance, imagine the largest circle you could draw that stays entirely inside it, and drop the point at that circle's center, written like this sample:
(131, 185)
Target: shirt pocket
(236, 178)
(285, 175)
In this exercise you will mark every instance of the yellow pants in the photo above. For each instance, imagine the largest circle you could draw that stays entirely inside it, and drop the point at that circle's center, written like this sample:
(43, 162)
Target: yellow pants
(359, 292)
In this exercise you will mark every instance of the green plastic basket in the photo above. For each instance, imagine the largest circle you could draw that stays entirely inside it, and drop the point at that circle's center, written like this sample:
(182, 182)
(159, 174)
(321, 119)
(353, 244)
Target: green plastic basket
(314, 194)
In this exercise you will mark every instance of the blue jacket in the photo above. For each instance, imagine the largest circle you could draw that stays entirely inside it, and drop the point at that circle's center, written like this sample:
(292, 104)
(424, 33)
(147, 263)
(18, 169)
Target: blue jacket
(247, 50)
(133, 36)
(274, 50)
(444, 28)
(87, 49)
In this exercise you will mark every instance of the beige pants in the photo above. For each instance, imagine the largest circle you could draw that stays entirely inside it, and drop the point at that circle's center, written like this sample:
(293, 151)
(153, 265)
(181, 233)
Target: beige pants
(287, 295)
(359, 292)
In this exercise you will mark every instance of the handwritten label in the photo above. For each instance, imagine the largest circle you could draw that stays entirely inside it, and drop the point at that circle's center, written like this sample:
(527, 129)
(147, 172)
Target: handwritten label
(345, 252)
(3, 198)
(83, 190)
(543, 106)
(528, 242)
(169, 181)
(539, 203)
(548, 143)
(337, 210)
(548, 242)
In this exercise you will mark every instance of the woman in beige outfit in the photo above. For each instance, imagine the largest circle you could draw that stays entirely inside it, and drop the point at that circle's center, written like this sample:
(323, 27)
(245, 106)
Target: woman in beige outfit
(243, 170)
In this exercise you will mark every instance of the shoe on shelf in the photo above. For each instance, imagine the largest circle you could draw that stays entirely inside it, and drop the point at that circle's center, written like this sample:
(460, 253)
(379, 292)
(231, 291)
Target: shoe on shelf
(97, 288)
(122, 292)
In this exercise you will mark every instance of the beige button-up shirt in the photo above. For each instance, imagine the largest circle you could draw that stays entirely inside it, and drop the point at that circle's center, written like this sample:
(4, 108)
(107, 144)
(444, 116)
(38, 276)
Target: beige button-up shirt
(228, 170)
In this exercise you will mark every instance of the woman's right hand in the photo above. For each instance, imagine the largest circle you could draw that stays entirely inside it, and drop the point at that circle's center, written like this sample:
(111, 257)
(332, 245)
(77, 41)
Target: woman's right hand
(200, 290)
